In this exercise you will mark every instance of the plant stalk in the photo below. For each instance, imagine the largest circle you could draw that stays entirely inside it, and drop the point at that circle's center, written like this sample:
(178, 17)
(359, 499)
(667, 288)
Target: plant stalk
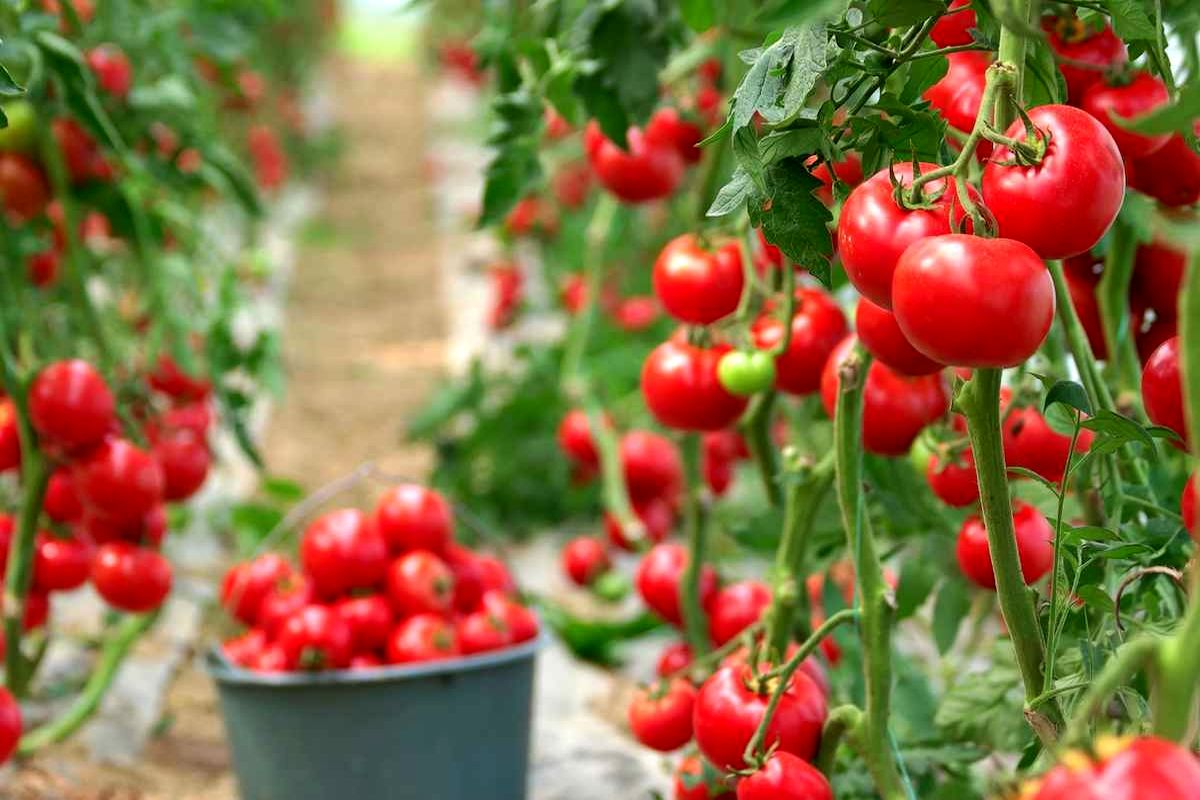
(695, 621)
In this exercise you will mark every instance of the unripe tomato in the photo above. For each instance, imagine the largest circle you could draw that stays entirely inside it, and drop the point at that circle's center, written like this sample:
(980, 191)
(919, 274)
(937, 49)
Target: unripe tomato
(112, 69)
(1064, 204)
(881, 335)
(660, 715)
(412, 517)
(246, 585)
(873, 230)
(1087, 53)
(343, 550)
(954, 28)
(185, 461)
(24, 191)
(736, 607)
(419, 582)
(131, 578)
(658, 581)
(682, 390)
(952, 294)
(651, 465)
(481, 632)
(785, 777)
(746, 374)
(953, 479)
(668, 127)
(697, 285)
(21, 134)
(817, 326)
(1141, 95)
(70, 405)
(1162, 389)
(422, 637)
(1158, 272)
(60, 564)
(1035, 547)
(10, 724)
(584, 559)
(1031, 443)
(958, 94)
(657, 515)
(316, 638)
(696, 779)
(1171, 174)
(1187, 507)
(369, 618)
(649, 170)
(119, 480)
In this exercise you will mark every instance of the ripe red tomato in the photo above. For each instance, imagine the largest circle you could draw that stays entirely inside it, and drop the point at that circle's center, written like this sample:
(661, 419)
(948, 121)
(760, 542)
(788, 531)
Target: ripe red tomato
(953, 479)
(1151, 338)
(10, 436)
(412, 517)
(1061, 206)
(419, 582)
(953, 293)
(675, 658)
(848, 171)
(1087, 53)
(195, 417)
(658, 581)
(270, 160)
(316, 638)
(80, 151)
(657, 516)
(246, 649)
(369, 618)
(1030, 443)
(571, 184)
(422, 637)
(42, 268)
(636, 313)
(718, 475)
(60, 564)
(1082, 294)
(364, 661)
(61, 502)
(282, 601)
(873, 230)
(696, 779)
(272, 660)
(895, 408)
(881, 335)
(119, 480)
(584, 559)
(1143, 768)
(112, 69)
(7, 525)
(1171, 174)
(522, 623)
(651, 465)
(954, 28)
(736, 607)
(1157, 277)
(668, 127)
(343, 550)
(1140, 95)
(660, 715)
(185, 460)
(721, 450)
(649, 170)
(1035, 547)
(468, 577)
(131, 578)
(24, 191)
(785, 777)
(729, 708)
(246, 585)
(10, 724)
(958, 94)
(698, 285)
(482, 631)
(495, 575)
(1187, 507)
(817, 326)
(682, 391)
(70, 405)
(172, 381)
(1162, 389)
(575, 439)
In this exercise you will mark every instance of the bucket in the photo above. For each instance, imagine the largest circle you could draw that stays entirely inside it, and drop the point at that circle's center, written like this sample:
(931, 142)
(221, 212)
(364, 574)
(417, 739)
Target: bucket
(445, 730)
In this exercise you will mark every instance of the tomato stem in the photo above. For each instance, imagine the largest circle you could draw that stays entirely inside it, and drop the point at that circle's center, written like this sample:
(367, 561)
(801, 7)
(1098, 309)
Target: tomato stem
(612, 474)
(843, 721)
(757, 426)
(695, 621)
(1113, 297)
(35, 474)
(596, 237)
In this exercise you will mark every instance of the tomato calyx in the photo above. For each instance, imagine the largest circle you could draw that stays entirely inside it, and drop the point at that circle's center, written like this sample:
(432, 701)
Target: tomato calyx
(915, 197)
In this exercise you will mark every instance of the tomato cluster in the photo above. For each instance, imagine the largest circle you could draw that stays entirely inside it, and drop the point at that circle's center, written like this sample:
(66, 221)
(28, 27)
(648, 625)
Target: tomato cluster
(1143, 768)
(389, 587)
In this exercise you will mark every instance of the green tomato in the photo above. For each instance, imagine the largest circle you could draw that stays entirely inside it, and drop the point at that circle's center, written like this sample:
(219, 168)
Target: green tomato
(744, 374)
(20, 135)
(612, 587)
(919, 456)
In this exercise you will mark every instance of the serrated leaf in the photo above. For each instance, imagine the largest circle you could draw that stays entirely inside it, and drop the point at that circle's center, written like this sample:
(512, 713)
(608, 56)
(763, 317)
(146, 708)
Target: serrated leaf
(170, 93)
(1068, 393)
(793, 219)
(951, 606)
(733, 195)
(745, 153)
(1130, 20)
(1123, 551)
(985, 707)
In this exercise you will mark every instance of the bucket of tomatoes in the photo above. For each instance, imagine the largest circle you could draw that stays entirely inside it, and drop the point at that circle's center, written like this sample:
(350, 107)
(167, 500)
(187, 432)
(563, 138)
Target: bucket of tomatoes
(368, 666)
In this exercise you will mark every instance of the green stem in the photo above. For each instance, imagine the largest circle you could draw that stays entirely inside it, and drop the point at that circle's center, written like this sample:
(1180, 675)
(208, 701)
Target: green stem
(842, 721)
(612, 474)
(35, 474)
(695, 621)
(757, 426)
(1122, 666)
(596, 237)
(1056, 597)
(1113, 297)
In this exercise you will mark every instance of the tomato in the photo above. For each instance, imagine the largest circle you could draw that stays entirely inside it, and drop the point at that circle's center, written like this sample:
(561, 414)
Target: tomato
(131, 578)
(1187, 507)
(1152, 337)
(1171, 174)
(873, 231)
(651, 465)
(270, 161)
(556, 125)
(80, 151)
(660, 715)
(667, 126)
(60, 565)
(636, 313)
(482, 631)
(422, 637)
(1140, 95)
(7, 526)
(10, 724)
(674, 658)
(1062, 205)
(495, 576)
(363, 661)
(316, 638)
(61, 502)
(1030, 443)
(84, 9)
(172, 381)
(531, 215)
(658, 581)
(343, 550)
(520, 621)
(42, 268)
(695, 284)
(847, 171)
(185, 461)
(817, 326)
(953, 480)
(730, 706)
(246, 585)
(245, 650)
(682, 390)
(881, 335)
(954, 28)
(650, 169)
(746, 374)
(1035, 547)
(696, 779)
(420, 583)
(119, 480)
(736, 607)
(282, 601)
(112, 69)
(1142, 768)
(953, 293)
(958, 94)
(768, 256)
(24, 191)
(1082, 294)
(721, 450)
(1162, 389)
(370, 620)
(272, 660)
(895, 408)
(575, 439)
(571, 184)
(195, 417)
(10, 437)
(508, 293)
(20, 136)
(1086, 53)
(411, 517)
(657, 516)
(1158, 273)
(584, 559)
(785, 777)
(70, 405)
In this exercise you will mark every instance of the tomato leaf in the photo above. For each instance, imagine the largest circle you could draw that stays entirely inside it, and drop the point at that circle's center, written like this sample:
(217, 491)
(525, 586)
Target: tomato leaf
(1130, 20)
(515, 170)
(952, 604)
(1095, 597)
(1117, 426)
(8, 86)
(917, 577)
(1068, 393)
(700, 15)
(899, 13)
(793, 219)
(732, 195)
(984, 707)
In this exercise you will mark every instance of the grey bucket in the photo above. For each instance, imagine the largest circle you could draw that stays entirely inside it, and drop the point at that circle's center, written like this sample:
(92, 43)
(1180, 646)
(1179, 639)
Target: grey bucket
(447, 730)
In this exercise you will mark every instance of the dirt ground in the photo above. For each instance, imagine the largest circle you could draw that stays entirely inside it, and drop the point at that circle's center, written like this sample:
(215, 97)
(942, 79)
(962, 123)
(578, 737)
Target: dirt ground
(363, 348)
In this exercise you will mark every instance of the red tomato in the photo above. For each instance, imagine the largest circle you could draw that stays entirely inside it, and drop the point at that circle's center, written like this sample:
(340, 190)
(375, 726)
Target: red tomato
(70, 405)
(343, 550)
(24, 191)
(736, 607)
(185, 460)
(636, 313)
(61, 502)
(649, 170)
(80, 151)
(729, 708)
(1187, 507)
(363, 661)
(667, 127)
(651, 465)
(817, 326)
(660, 715)
(557, 126)
(245, 650)
(584, 559)
(172, 381)
(482, 631)
(10, 724)
(675, 658)
(316, 638)
(246, 585)
(785, 777)
(895, 408)
(272, 660)
(1158, 273)
(84, 9)
(1035, 547)
(1143, 768)
(282, 601)
(42, 268)
(571, 184)
(1152, 337)
(696, 779)
(112, 69)
(682, 391)
(1171, 174)
(468, 577)
(768, 256)
(953, 293)
(531, 215)
(1162, 389)
(1140, 95)
(954, 28)
(411, 517)
(698, 285)
(658, 581)
(881, 335)
(422, 637)
(270, 161)
(958, 94)
(7, 525)
(420, 583)
(575, 439)
(522, 623)
(1095, 52)
(495, 575)
(953, 480)
(657, 516)
(60, 565)
(1082, 293)
(848, 171)
(10, 437)
(1061, 206)
(873, 230)
(195, 417)
(1030, 443)
(119, 480)
(131, 578)
(369, 618)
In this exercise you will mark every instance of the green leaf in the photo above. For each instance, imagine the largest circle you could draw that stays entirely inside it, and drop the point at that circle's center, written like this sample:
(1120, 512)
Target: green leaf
(951, 606)
(900, 13)
(284, 490)
(515, 170)
(745, 153)
(1095, 597)
(170, 93)
(1178, 117)
(1119, 427)
(1033, 476)
(793, 219)
(1068, 393)
(782, 76)
(700, 15)
(921, 74)
(985, 707)
(917, 577)
(794, 142)
(732, 195)
(8, 86)
(1080, 534)
(1130, 20)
